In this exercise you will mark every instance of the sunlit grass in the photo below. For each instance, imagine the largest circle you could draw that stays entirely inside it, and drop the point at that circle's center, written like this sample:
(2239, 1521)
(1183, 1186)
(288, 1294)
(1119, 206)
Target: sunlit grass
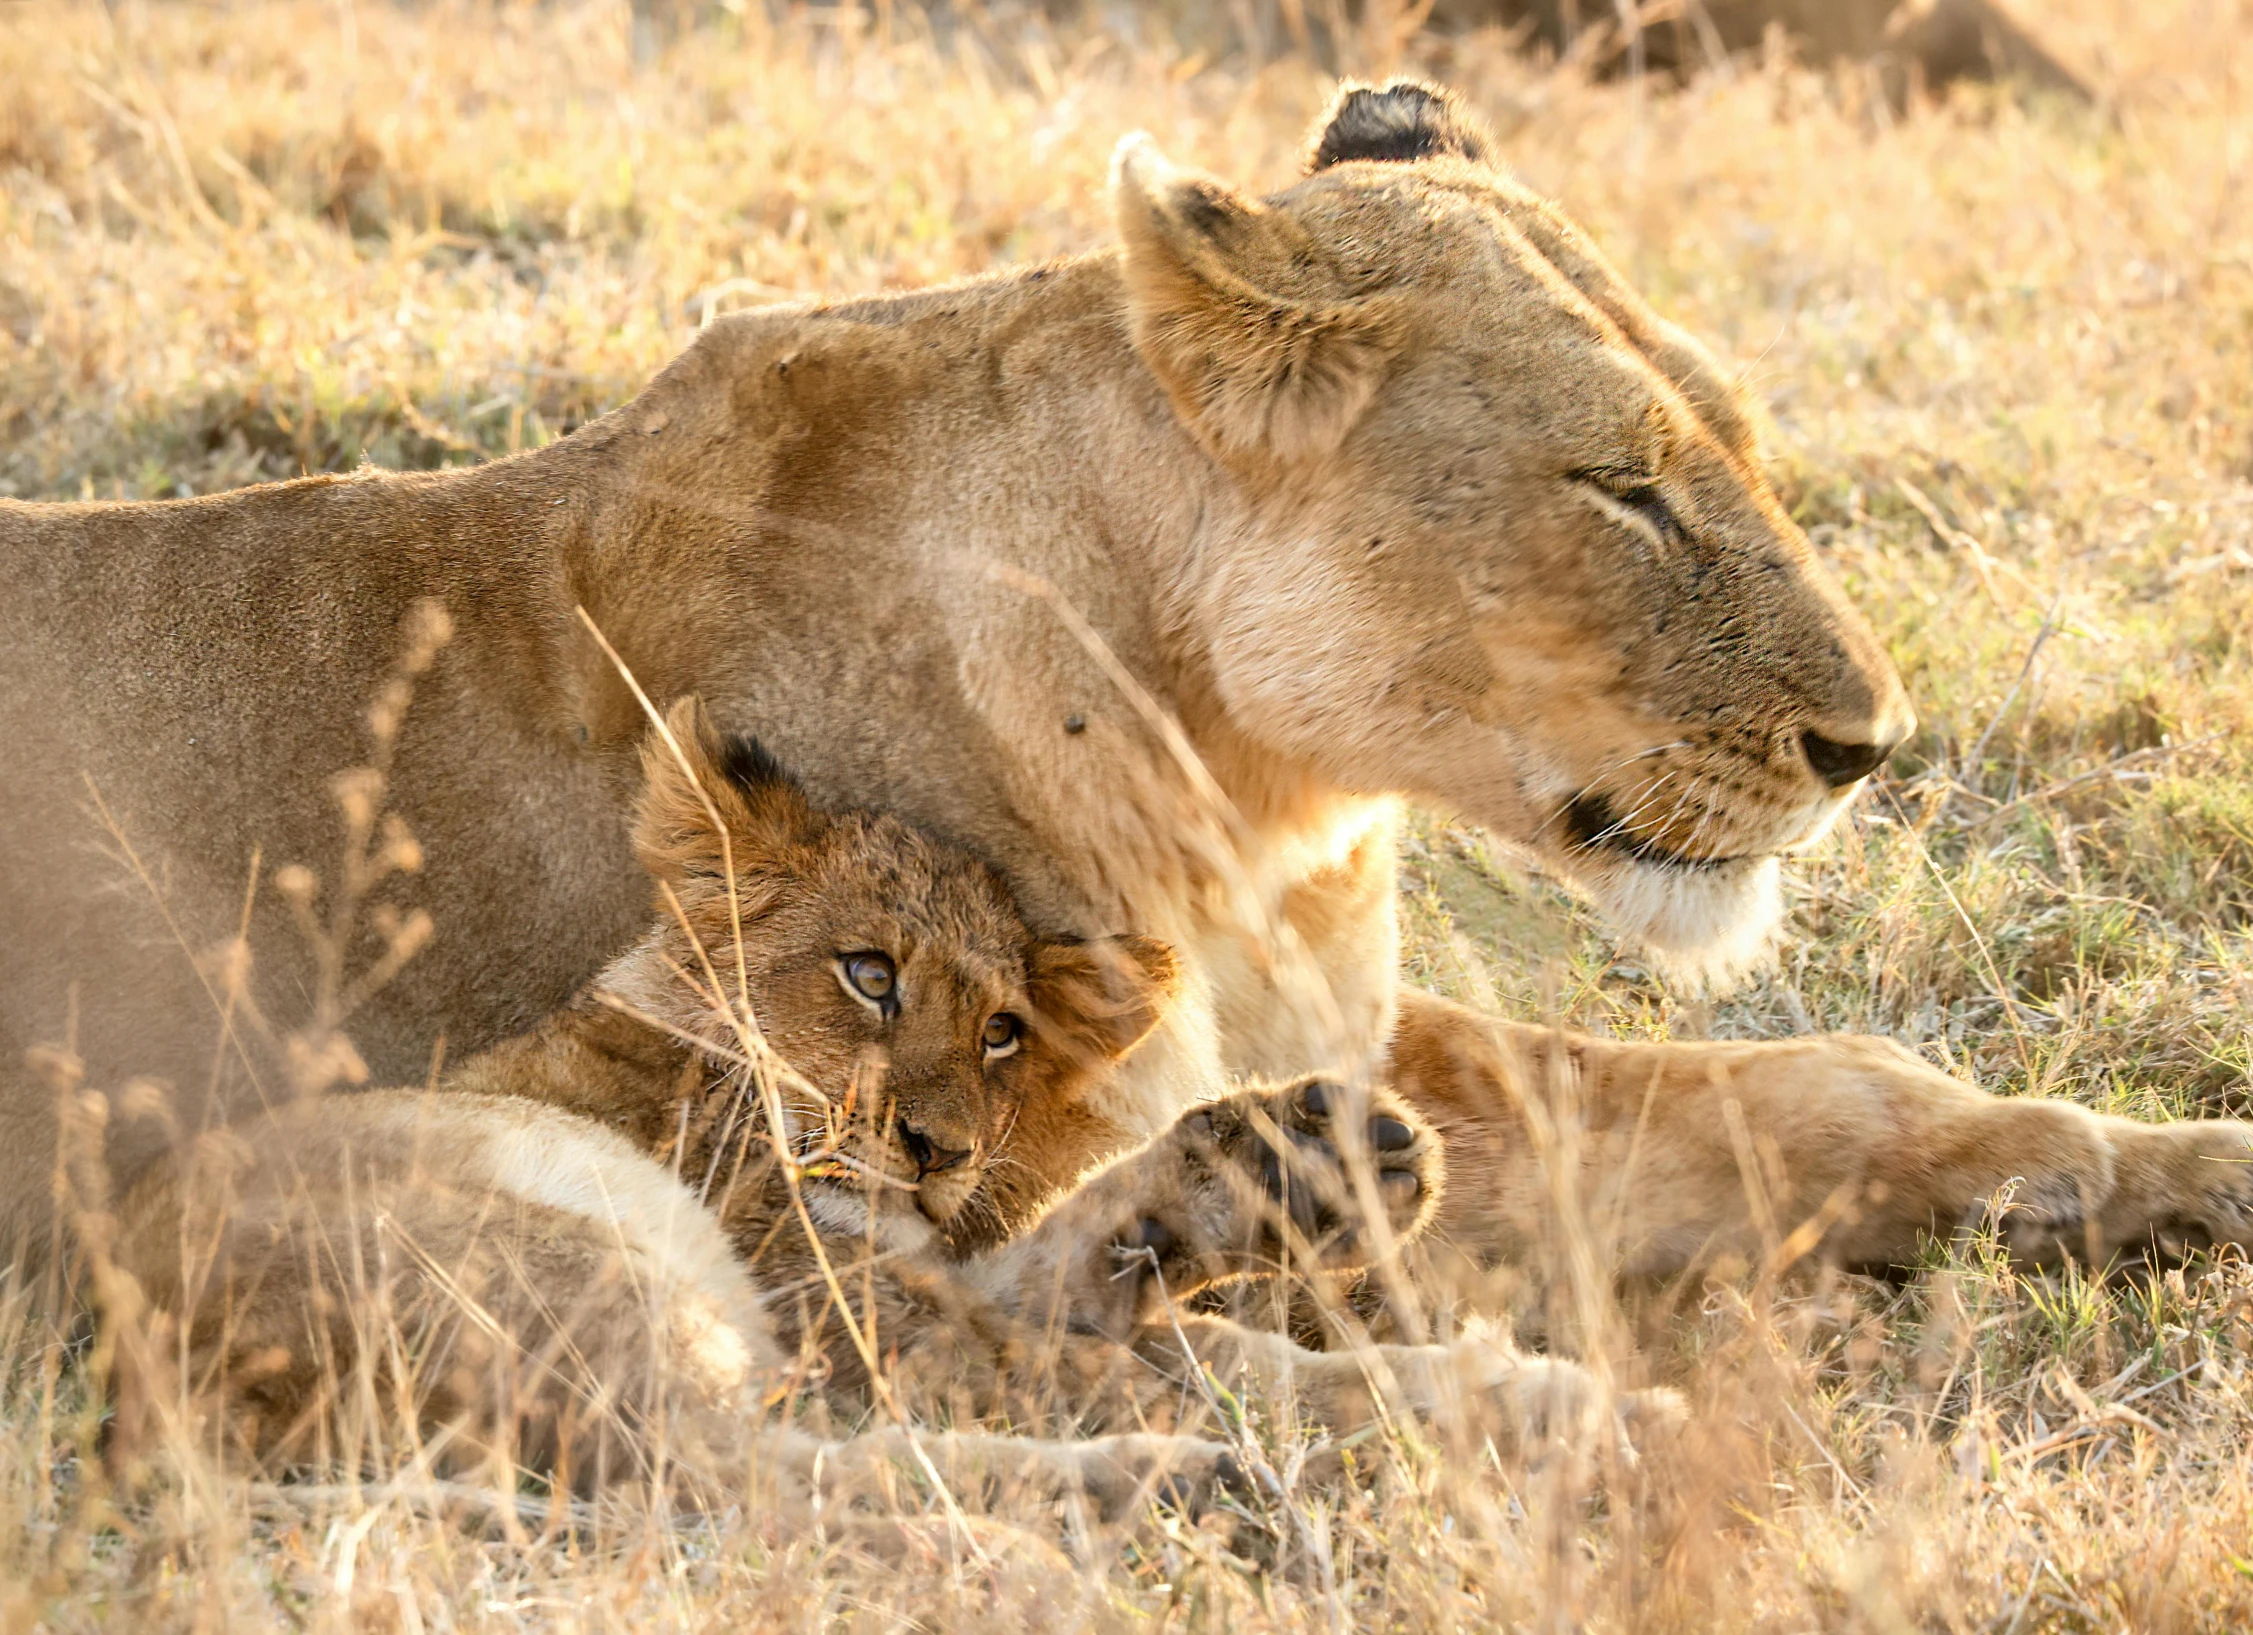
(2008, 349)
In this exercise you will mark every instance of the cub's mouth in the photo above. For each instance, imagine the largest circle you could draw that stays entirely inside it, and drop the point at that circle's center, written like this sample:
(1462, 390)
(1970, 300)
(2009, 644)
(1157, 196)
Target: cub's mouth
(941, 1178)
(940, 1197)
(847, 1195)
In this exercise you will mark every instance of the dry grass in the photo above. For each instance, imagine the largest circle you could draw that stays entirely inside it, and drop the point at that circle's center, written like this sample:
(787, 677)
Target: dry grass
(2009, 351)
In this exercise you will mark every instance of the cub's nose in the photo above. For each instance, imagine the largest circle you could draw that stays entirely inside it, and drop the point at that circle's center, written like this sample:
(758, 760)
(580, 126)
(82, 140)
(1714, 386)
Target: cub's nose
(930, 1158)
(1839, 764)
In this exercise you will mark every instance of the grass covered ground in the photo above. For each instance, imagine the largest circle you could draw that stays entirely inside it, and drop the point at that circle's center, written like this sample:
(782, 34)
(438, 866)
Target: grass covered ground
(2008, 350)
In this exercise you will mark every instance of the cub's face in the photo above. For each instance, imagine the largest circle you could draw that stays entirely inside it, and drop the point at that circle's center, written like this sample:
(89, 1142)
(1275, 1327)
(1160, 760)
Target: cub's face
(897, 978)
(1505, 541)
(916, 1013)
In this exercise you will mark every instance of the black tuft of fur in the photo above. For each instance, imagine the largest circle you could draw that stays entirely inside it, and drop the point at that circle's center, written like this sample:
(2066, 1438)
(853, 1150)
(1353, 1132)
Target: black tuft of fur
(746, 762)
(1398, 122)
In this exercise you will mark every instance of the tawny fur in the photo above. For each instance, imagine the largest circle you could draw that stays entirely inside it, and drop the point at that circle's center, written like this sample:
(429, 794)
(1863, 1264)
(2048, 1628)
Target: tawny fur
(503, 1270)
(1386, 485)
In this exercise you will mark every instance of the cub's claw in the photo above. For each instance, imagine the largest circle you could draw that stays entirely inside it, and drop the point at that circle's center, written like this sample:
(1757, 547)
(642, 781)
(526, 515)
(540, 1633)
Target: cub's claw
(1552, 1407)
(1239, 1187)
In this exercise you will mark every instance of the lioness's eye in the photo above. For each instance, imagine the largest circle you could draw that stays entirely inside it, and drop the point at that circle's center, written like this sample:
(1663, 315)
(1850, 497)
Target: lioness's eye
(1647, 502)
(1641, 496)
(1002, 1033)
(870, 975)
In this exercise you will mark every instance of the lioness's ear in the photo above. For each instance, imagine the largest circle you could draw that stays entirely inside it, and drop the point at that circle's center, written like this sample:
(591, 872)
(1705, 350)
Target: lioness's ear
(1398, 122)
(698, 786)
(1227, 309)
(1099, 999)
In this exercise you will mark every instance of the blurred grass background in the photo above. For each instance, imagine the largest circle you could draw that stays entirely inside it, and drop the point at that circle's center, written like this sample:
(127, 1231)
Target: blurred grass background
(2006, 340)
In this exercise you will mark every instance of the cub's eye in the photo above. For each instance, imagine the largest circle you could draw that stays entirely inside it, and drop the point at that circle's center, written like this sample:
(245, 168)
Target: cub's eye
(873, 977)
(1003, 1031)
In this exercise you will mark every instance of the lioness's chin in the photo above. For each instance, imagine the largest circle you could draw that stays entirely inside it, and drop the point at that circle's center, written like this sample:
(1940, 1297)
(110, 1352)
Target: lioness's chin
(1706, 928)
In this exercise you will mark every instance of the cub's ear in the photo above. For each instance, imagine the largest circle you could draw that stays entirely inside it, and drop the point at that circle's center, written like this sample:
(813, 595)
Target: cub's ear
(1398, 122)
(1097, 1000)
(1227, 307)
(711, 803)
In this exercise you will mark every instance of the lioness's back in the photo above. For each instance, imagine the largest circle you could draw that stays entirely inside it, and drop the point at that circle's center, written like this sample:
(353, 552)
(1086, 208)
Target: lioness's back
(180, 682)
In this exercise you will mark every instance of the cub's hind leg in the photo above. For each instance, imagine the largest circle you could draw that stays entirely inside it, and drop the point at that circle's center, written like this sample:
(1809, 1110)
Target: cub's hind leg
(1480, 1382)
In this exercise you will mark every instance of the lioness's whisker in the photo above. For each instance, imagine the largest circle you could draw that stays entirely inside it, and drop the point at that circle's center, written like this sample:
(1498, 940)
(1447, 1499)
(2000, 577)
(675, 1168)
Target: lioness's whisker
(1570, 800)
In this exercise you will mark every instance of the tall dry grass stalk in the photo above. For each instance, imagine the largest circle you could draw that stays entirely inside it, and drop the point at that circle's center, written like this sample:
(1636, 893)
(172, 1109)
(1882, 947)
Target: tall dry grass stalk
(2007, 351)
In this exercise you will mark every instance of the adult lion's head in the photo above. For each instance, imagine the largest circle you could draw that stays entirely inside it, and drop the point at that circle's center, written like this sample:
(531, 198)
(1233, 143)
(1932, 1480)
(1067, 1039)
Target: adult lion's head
(1501, 520)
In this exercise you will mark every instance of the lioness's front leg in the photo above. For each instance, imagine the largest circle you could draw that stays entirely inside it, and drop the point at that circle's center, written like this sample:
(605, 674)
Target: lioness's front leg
(1691, 1151)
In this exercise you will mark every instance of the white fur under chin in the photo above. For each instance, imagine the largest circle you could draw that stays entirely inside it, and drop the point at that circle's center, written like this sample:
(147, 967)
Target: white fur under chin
(1705, 929)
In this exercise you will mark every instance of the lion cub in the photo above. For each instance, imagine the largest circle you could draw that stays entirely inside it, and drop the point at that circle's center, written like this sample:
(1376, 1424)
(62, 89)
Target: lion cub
(777, 1146)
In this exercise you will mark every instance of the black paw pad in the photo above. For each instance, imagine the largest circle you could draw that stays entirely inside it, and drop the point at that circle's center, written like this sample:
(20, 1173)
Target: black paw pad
(1151, 1234)
(1294, 1191)
(1390, 1135)
(1231, 1479)
(1192, 1495)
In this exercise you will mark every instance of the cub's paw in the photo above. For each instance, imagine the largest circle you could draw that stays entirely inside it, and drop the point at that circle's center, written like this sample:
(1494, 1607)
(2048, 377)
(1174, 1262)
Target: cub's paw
(1551, 1408)
(1272, 1172)
(1120, 1475)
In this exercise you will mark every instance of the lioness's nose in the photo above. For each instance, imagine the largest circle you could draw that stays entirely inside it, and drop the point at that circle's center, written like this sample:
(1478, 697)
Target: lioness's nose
(1840, 763)
(929, 1157)
(1866, 718)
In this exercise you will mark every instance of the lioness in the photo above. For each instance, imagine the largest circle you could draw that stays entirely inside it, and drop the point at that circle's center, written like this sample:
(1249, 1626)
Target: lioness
(503, 1262)
(1925, 44)
(1153, 578)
